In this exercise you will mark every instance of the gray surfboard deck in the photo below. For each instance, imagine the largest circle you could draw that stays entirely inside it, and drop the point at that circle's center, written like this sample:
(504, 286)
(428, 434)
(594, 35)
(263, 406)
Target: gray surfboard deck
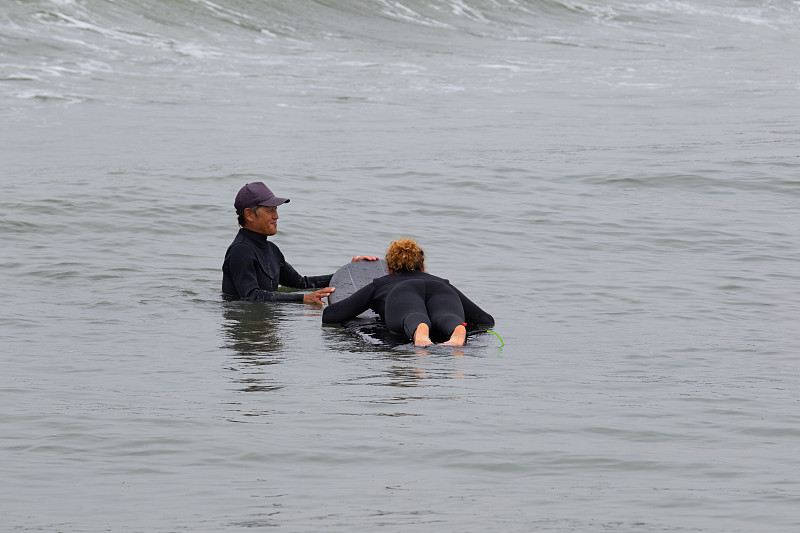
(353, 276)
(368, 325)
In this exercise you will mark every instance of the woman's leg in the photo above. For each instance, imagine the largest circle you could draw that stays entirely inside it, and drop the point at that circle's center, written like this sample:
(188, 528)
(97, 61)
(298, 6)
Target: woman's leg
(406, 312)
(446, 311)
(459, 336)
(422, 335)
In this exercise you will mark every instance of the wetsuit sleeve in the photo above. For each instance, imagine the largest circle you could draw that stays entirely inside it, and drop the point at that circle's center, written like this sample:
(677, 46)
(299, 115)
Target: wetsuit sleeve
(350, 307)
(242, 267)
(474, 316)
(290, 278)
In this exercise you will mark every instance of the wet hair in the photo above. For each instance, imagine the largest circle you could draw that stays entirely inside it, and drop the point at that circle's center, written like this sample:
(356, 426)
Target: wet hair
(254, 209)
(404, 255)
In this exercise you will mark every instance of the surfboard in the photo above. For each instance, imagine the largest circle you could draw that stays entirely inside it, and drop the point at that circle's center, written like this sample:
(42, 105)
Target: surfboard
(368, 325)
(353, 276)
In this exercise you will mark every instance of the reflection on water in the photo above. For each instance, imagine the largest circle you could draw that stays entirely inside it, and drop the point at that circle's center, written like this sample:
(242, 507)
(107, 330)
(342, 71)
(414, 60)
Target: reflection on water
(251, 331)
(405, 365)
(427, 363)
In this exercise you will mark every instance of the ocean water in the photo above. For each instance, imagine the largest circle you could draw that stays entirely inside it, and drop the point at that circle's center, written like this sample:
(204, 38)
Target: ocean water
(617, 182)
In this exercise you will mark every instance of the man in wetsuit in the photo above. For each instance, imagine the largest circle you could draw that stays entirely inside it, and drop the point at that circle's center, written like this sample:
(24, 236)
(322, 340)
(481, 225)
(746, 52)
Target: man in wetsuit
(254, 267)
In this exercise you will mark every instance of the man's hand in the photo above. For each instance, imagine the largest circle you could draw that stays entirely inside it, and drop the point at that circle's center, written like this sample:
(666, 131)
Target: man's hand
(365, 258)
(317, 296)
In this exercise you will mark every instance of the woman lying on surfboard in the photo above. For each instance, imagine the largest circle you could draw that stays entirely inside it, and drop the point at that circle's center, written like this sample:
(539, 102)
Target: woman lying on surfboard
(412, 302)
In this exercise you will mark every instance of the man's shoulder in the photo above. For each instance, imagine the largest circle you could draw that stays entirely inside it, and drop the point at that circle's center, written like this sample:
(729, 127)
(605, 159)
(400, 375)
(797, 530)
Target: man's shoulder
(240, 239)
(240, 245)
(244, 246)
(251, 240)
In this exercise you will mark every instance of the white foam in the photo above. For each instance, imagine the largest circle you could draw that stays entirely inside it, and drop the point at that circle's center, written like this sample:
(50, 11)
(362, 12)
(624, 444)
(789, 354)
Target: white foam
(401, 12)
(512, 68)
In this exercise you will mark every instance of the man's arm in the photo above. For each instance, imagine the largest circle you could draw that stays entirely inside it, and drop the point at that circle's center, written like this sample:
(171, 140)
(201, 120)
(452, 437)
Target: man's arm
(303, 282)
(242, 265)
(290, 278)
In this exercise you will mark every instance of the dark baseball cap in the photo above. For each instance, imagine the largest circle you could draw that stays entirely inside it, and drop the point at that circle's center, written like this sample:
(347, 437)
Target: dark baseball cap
(254, 194)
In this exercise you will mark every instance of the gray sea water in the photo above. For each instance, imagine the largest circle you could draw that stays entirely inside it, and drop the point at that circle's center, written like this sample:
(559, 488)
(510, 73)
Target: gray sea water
(617, 182)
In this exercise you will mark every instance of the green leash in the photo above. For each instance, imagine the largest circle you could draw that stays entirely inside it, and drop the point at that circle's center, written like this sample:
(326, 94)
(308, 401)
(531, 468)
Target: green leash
(498, 336)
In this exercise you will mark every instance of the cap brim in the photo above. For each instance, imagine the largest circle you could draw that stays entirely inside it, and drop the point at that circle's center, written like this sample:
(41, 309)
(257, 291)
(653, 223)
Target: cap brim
(274, 202)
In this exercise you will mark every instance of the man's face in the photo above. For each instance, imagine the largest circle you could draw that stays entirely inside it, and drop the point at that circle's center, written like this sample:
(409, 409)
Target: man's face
(263, 220)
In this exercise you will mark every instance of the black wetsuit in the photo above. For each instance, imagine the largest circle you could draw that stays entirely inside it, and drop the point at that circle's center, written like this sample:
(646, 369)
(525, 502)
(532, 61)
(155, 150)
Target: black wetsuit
(406, 299)
(254, 267)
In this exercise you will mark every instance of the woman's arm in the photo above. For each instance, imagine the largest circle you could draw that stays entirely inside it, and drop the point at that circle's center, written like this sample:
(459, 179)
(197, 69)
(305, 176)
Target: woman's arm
(474, 315)
(350, 307)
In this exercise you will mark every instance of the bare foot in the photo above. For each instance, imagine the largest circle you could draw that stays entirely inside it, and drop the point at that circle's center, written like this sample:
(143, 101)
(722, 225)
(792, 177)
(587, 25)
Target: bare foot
(458, 338)
(422, 335)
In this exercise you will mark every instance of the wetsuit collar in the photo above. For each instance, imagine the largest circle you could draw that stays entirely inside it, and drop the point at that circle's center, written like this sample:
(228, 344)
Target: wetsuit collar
(259, 239)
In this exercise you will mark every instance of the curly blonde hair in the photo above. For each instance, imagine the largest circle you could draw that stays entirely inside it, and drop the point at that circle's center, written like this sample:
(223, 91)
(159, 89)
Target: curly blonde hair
(404, 255)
